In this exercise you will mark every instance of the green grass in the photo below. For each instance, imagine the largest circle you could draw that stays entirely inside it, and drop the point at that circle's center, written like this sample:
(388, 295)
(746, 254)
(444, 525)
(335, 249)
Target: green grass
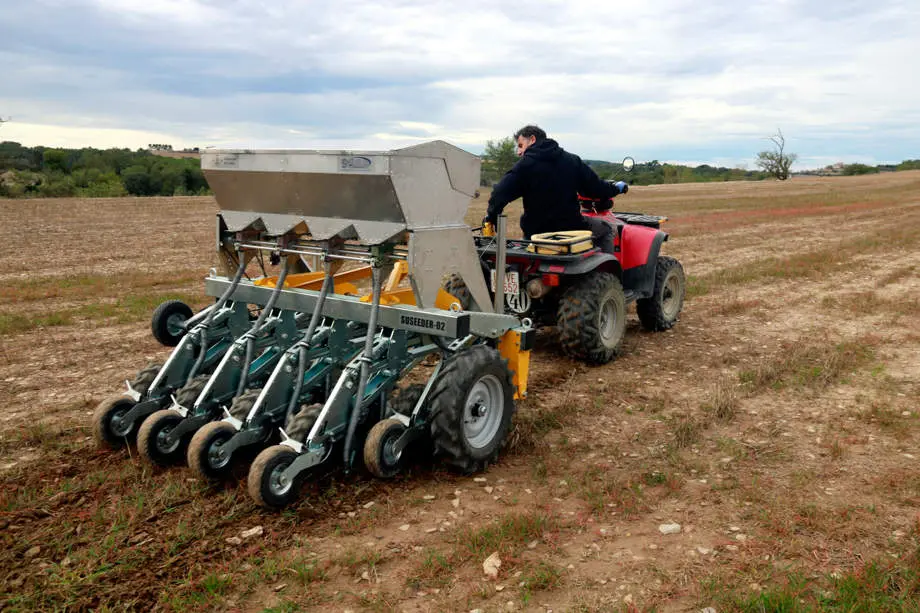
(511, 531)
(875, 587)
(605, 491)
(436, 569)
(544, 576)
(129, 309)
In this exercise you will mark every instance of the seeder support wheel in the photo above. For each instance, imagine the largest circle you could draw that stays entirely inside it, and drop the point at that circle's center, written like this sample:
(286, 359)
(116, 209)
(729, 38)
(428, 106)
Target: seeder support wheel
(108, 428)
(153, 442)
(205, 456)
(381, 457)
(267, 483)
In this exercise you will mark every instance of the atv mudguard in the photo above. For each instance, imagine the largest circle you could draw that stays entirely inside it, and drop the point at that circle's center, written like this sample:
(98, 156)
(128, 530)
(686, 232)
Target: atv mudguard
(597, 260)
(639, 249)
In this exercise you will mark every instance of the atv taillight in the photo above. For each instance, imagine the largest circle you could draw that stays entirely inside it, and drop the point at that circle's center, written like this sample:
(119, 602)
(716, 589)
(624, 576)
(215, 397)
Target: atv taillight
(550, 280)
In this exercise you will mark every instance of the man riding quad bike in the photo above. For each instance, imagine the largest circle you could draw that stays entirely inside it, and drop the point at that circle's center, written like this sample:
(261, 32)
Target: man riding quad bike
(579, 264)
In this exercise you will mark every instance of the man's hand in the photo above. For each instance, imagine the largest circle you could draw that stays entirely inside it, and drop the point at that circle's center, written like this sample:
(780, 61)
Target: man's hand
(488, 228)
(622, 186)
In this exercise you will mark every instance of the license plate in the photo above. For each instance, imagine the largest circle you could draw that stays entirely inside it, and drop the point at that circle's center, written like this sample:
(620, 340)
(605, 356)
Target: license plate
(512, 283)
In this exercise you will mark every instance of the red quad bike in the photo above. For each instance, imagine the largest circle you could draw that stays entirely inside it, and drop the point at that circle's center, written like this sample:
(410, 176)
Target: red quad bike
(562, 279)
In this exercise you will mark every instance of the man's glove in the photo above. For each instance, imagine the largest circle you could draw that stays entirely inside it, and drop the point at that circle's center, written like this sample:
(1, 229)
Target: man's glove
(488, 227)
(622, 186)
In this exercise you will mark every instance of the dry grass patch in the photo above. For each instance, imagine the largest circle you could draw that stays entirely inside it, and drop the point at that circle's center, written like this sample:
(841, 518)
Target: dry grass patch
(809, 265)
(896, 275)
(95, 286)
(814, 366)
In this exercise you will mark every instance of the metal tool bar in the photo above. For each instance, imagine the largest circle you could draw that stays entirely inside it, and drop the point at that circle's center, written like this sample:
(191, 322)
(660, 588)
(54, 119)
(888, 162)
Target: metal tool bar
(425, 321)
(499, 302)
(332, 254)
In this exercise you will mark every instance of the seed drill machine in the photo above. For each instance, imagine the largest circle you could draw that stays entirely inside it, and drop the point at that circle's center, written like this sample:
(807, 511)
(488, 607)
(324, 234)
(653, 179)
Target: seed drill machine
(351, 363)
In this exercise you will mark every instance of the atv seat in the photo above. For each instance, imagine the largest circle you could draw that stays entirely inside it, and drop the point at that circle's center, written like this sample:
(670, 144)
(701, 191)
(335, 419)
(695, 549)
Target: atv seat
(561, 243)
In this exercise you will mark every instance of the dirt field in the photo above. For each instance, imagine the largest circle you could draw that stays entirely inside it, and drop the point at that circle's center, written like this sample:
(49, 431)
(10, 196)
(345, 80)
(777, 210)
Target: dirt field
(777, 424)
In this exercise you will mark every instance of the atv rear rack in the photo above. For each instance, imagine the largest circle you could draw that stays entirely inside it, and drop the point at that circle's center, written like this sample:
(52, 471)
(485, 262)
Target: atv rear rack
(641, 219)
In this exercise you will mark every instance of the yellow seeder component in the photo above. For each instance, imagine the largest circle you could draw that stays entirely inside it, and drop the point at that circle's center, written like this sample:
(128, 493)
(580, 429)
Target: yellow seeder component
(509, 346)
(342, 282)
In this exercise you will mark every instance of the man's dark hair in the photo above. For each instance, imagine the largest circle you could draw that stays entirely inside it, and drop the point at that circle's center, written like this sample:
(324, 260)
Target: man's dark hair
(528, 131)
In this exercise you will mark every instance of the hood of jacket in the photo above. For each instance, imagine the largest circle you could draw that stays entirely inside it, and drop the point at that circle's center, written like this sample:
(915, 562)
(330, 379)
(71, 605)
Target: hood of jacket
(546, 149)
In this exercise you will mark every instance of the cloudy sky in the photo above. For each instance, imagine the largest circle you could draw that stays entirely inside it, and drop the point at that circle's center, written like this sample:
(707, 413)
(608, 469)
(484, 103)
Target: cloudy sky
(671, 80)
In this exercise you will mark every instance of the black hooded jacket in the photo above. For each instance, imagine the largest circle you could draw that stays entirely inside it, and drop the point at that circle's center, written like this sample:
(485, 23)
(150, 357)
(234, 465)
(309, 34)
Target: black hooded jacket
(549, 180)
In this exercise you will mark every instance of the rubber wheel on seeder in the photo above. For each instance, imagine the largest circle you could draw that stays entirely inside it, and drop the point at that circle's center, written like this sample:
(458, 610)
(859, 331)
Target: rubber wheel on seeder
(266, 484)
(204, 455)
(167, 323)
(472, 403)
(152, 443)
(379, 457)
(108, 428)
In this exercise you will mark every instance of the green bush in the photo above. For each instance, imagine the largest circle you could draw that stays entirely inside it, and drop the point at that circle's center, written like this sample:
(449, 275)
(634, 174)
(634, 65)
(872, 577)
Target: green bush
(57, 186)
(859, 169)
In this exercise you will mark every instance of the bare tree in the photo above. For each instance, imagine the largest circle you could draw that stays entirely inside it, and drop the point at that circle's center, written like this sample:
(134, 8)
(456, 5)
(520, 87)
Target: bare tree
(777, 162)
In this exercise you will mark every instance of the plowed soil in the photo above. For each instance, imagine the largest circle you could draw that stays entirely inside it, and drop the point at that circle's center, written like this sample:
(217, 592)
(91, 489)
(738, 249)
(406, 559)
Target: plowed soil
(777, 425)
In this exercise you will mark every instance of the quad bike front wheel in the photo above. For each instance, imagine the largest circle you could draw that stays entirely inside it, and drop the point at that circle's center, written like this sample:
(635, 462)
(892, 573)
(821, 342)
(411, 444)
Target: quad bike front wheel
(661, 310)
(591, 318)
(456, 287)
(168, 322)
(205, 453)
(472, 403)
(266, 482)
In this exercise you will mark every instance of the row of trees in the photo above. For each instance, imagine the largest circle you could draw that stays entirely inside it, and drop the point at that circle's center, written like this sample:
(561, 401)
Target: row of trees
(499, 156)
(42, 172)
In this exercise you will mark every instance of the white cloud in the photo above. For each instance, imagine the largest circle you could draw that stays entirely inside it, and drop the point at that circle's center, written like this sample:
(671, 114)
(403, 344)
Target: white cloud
(669, 80)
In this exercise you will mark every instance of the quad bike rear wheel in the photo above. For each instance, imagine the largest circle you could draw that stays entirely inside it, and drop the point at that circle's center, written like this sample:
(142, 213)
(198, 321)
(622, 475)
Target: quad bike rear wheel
(167, 323)
(661, 310)
(472, 403)
(591, 318)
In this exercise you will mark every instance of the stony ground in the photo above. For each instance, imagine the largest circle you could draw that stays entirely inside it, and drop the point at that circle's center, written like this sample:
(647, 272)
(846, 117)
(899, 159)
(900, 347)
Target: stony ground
(760, 456)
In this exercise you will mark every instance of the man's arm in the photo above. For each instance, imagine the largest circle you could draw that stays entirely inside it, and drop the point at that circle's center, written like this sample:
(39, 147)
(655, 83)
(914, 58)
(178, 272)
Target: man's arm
(592, 186)
(505, 191)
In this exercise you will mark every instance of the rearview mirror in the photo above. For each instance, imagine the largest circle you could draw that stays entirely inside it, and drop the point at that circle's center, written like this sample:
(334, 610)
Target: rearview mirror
(628, 164)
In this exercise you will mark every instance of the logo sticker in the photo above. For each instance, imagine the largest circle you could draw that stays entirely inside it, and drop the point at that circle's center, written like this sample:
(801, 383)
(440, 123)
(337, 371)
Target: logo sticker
(354, 163)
